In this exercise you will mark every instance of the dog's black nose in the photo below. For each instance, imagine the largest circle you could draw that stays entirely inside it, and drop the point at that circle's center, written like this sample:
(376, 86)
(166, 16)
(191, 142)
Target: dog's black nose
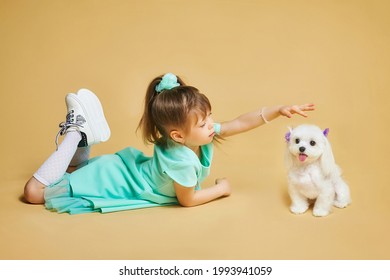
(302, 149)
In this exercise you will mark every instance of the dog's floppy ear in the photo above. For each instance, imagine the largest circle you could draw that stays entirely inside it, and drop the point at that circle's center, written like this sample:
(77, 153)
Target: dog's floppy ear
(327, 159)
(288, 159)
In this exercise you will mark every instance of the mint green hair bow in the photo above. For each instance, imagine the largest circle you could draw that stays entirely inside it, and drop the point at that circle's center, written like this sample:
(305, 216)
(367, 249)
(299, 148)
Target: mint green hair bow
(168, 81)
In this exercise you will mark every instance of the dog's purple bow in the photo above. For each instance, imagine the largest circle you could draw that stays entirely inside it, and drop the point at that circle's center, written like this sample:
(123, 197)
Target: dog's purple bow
(287, 136)
(326, 132)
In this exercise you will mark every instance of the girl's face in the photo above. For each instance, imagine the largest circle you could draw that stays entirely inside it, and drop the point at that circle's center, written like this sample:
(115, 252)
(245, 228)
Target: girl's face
(200, 133)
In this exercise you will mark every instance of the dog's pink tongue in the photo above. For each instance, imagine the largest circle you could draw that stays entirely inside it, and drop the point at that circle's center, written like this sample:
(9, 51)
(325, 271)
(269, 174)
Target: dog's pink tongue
(302, 157)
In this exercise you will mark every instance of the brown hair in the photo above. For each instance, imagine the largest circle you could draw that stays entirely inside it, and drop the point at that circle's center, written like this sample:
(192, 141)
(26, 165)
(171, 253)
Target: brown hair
(170, 109)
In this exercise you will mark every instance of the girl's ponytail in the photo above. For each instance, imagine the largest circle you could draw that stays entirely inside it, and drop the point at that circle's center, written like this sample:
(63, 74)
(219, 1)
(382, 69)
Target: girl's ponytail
(146, 124)
(168, 104)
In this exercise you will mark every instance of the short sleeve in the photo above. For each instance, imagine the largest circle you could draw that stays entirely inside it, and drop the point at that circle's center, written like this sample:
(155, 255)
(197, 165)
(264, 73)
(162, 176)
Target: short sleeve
(179, 163)
(183, 174)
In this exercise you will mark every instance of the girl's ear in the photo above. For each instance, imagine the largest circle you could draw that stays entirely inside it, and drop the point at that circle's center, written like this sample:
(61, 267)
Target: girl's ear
(177, 136)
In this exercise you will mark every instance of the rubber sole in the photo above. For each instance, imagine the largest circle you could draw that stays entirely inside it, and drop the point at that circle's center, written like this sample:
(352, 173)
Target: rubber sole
(94, 115)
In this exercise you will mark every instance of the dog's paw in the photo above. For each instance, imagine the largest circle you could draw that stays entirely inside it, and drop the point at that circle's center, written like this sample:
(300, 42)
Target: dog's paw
(299, 209)
(341, 204)
(319, 212)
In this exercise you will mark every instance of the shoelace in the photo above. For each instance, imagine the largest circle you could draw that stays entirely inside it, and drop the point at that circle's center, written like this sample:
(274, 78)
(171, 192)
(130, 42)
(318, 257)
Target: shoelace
(64, 126)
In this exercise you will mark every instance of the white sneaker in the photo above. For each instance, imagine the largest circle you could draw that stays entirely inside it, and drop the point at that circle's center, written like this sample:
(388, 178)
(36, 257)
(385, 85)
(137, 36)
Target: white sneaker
(85, 114)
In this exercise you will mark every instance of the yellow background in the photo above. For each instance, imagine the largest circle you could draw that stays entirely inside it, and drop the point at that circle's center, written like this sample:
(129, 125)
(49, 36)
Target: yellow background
(244, 55)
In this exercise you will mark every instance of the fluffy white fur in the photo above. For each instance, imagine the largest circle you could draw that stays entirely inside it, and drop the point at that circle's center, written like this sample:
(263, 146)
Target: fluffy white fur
(312, 172)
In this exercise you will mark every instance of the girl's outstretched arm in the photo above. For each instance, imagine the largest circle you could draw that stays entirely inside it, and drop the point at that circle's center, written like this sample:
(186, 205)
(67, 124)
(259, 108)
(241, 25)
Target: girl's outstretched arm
(188, 196)
(257, 118)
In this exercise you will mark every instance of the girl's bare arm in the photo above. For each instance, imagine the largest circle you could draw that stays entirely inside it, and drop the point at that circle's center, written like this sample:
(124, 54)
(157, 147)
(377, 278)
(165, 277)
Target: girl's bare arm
(188, 196)
(257, 118)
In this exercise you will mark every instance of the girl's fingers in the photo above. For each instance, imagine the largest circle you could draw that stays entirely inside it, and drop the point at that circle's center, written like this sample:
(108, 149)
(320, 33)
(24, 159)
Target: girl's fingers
(308, 107)
(298, 109)
(300, 112)
(301, 109)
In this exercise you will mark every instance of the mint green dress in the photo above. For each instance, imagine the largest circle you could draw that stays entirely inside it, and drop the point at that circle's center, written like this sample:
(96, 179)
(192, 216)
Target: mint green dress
(129, 179)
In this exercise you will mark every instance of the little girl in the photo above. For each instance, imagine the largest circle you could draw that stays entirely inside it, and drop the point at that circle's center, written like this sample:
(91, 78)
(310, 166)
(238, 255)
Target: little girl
(177, 119)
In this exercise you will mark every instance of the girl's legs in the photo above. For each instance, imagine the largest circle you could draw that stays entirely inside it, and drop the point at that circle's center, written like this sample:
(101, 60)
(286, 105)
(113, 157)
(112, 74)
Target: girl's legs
(85, 125)
(81, 156)
(52, 170)
(55, 166)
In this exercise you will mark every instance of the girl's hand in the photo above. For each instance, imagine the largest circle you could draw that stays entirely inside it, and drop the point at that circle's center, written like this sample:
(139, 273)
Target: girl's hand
(188, 196)
(288, 111)
(224, 184)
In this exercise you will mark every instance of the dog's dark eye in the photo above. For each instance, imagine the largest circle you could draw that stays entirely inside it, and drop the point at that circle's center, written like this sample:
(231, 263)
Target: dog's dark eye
(313, 143)
(297, 141)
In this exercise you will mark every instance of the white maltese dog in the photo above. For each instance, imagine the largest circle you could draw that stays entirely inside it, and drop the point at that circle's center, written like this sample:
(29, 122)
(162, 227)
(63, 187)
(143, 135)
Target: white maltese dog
(313, 174)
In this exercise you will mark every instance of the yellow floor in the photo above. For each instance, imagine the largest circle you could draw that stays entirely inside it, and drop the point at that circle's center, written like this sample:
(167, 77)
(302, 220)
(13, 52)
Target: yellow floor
(243, 55)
